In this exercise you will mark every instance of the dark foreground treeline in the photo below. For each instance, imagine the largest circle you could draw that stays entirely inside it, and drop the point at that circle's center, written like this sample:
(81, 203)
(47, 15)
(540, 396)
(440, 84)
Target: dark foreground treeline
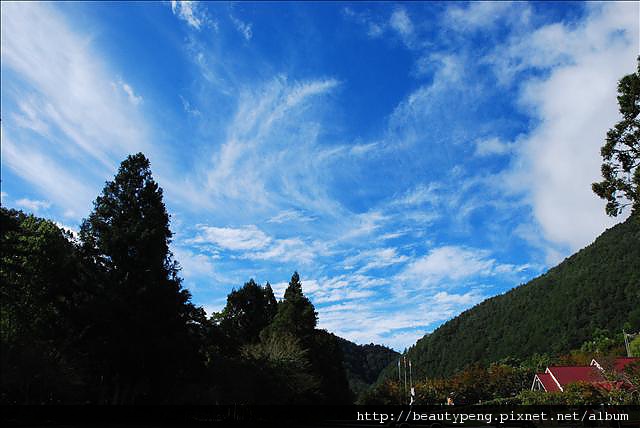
(103, 318)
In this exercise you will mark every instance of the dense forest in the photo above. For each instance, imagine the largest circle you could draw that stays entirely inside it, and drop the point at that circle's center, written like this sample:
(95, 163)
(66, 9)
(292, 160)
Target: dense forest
(363, 364)
(509, 380)
(102, 317)
(595, 290)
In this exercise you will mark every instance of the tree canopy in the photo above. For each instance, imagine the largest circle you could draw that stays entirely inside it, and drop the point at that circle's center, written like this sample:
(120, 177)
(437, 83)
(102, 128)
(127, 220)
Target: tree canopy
(620, 186)
(102, 317)
(296, 314)
(144, 319)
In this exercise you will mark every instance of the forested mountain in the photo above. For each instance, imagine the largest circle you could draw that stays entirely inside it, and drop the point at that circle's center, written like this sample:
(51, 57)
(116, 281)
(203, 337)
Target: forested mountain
(596, 288)
(363, 363)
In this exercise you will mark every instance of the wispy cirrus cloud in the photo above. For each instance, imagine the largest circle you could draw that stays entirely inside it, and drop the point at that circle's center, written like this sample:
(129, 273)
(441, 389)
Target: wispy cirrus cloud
(396, 321)
(65, 96)
(270, 131)
(244, 28)
(450, 262)
(485, 15)
(492, 146)
(290, 215)
(228, 238)
(131, 95)
(32, 205)
(189, 12)
(374, 259)
(403, 193)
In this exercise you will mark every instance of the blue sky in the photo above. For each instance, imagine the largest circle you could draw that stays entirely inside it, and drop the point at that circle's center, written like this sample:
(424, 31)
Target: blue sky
(408, 159)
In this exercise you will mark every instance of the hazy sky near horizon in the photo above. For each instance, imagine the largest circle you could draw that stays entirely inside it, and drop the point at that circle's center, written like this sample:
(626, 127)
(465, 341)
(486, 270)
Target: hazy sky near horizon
(408, 159)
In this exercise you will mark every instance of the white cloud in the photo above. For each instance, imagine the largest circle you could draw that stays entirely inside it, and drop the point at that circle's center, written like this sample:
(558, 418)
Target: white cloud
(286, 250)
(365, 224)
(75, 232)
(189, 12)
(280, 287)
(245, 238)
(133, 98)
(32, 205)
(421, 194)
(49, 177)
(194, 264)
(396, 322)
(29, 117)
(243, 28)
(189, 108)
(288, 216)
(361, 149)
(575, 104)
(68, 108)
(450, 262)
(214, 306)
(483, 15)
(401, 22)
(374, 28)
(447, 67)
(466, 299)
(269, 134)
(492, 146)
(374, 259)
(392, 235)
(254, 244)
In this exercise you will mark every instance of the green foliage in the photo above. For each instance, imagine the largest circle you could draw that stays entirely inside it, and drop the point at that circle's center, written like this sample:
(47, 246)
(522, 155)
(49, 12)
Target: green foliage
(283, 358)
(578, 393)
(620, 186)
(386, 393)
(39, 272)
(552, 314)
(474, 384)
(540, 398)
(600, 343)
(284, 370)
(363, 364)
(249, 310)
(327, 361)
(296, 314)
(634, 347)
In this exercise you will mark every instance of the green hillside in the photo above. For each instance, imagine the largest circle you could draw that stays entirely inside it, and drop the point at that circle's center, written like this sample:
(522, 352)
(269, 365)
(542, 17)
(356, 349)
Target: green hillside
(598, 287)
(363, 363)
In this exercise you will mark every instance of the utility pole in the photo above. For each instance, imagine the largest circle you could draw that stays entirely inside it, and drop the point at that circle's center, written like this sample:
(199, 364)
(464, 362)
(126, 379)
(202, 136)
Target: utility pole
(405, 376)
(626, 342)
(399, 381)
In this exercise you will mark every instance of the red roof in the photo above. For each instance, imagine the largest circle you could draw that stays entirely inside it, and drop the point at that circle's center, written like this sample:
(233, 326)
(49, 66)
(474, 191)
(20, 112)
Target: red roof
(572, 374)
(622, 362)
(548, 382)
(556, 378)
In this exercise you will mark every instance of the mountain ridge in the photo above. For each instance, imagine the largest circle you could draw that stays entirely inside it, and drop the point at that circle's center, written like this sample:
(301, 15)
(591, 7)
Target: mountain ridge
(597, 287)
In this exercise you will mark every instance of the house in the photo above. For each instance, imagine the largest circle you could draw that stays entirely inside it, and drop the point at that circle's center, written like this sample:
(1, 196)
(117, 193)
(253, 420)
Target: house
(556, 378)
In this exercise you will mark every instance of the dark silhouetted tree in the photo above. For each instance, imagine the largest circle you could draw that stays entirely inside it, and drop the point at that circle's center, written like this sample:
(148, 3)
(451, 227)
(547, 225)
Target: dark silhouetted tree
(248, 311)
(144, 321)
(296, 314)
(620, 186)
